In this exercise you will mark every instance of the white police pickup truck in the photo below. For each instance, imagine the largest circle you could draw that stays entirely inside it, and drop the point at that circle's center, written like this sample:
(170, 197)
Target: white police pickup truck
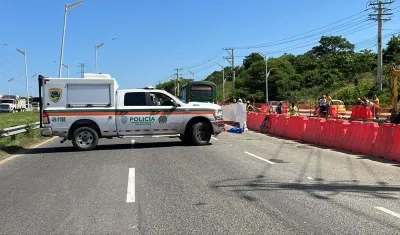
(85, 109)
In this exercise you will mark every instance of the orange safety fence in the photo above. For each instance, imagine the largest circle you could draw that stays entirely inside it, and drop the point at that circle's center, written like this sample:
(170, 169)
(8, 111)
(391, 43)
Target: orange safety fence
(360, 111)
(357, 136)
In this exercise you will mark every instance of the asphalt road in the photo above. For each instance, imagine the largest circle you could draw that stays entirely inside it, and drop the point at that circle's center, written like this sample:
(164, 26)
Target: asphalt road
(240, 184)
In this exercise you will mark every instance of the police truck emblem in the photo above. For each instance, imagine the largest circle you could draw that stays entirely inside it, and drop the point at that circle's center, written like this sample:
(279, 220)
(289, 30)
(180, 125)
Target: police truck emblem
(162, 119)
(55, 94)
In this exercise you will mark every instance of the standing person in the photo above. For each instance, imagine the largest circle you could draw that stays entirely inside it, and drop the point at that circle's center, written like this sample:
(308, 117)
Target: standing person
(293, 110)
(279, 108)
(376, 106)
(328, 104)
(322, 105)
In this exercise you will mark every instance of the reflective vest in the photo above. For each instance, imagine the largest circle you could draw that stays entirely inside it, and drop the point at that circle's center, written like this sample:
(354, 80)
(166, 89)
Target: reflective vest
(293, 110)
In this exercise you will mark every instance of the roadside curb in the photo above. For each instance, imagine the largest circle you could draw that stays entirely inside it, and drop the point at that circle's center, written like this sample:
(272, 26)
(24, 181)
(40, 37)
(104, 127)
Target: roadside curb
(9, 157)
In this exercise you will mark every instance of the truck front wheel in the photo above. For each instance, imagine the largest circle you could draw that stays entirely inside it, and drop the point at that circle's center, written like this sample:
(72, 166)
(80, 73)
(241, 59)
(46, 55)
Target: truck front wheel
(85, 139)
(201, 133)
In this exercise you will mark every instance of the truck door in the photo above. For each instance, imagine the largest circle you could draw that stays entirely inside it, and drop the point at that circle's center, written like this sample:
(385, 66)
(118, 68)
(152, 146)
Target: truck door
(133, 113)
(167, 118)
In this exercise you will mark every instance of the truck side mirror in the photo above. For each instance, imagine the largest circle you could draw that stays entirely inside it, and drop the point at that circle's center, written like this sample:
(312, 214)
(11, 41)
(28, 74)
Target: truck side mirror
(174, 103)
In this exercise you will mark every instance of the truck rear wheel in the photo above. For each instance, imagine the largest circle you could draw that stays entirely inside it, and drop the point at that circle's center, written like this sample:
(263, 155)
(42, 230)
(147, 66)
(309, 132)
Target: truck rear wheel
(85, 139)
(184, 139)
(201, 134)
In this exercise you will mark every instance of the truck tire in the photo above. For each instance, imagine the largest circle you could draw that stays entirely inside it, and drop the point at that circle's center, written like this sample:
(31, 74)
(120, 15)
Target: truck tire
(201, 134)
(184, 139)
(85, 139)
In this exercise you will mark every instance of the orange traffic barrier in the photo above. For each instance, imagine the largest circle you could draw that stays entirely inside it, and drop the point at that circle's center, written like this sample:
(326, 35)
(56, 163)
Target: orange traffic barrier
(394, 152)
(361, 111)
(371, 130)
(333, 111)
(384, 141)
(273, 119)
(352, 134)
(362, 137)
(339, 131)
(328, 133)
(281, 125)
(313, 130)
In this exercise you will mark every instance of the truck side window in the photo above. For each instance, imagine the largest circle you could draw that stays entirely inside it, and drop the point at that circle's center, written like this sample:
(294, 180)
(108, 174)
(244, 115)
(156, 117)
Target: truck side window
(161, 99)
(135, 99)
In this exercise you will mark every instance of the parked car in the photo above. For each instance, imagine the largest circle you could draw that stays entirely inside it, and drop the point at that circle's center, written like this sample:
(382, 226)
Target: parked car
(341, 106)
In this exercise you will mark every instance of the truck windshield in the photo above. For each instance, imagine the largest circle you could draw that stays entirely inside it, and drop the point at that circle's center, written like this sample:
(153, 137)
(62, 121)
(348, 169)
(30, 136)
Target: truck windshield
(6, 101)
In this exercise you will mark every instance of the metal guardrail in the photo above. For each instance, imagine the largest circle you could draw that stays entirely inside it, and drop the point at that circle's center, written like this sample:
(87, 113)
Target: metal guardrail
(12, 131)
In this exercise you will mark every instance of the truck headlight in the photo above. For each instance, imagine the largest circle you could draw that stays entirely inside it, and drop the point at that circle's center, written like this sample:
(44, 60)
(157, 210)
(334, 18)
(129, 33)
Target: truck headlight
(218, 114)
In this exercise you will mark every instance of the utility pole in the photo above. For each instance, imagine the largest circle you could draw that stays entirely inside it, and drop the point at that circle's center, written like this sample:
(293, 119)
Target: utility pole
(82, 66)
(223, 82)
(380, 11)
(231, 60)
(177, 82)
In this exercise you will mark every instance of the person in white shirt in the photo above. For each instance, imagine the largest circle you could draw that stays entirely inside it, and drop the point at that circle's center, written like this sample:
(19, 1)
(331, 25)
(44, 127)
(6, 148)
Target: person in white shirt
(322, 105)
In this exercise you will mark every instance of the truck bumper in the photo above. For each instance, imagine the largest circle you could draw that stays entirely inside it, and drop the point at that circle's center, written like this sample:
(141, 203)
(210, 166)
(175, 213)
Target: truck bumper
(46, 131)
(218, 126)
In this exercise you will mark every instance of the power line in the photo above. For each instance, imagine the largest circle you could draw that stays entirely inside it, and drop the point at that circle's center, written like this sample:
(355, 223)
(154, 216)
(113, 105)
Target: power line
(278, 42)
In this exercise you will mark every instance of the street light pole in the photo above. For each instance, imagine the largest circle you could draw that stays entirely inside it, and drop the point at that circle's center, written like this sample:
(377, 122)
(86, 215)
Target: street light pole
(67, 67)
(223, 82)
(266, 75)
(66, 9)
(26, 70)
(26, 74)
(96, 47)
(9, 86)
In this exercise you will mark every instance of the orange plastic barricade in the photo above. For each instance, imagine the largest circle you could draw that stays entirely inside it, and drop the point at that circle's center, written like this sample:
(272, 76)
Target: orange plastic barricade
(339, 131)
(334, 111)
(281, 125)
(249, 122)
(301, 127)
(290, 130)
(327, 135)
(370, 133)
(273, 119)
(351, 135)
(313, 130)
(384, 141)
(394, 152)
(254, 120)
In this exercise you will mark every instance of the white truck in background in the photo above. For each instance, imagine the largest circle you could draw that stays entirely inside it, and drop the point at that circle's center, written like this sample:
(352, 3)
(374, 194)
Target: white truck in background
(84, 110)
(12, 104)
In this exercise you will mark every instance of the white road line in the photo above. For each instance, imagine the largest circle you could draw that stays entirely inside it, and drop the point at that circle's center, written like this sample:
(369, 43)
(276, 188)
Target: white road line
(388, 211)
(262, 159)
(212, 137)
(130, 193)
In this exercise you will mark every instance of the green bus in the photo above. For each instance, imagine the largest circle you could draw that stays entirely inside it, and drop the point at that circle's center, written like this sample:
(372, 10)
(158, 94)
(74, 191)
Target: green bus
(198, 91)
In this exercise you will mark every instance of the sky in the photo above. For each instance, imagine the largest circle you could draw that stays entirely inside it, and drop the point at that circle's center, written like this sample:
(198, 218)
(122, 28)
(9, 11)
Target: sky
(156, 36)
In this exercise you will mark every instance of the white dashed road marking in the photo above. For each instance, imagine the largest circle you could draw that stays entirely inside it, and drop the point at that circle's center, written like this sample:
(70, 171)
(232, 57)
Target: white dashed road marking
(388, 211)
(130, 193)
(262, 159)
(212, 137)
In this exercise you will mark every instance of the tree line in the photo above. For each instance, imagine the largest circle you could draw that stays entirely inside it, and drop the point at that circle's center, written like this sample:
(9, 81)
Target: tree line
(333, 66)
